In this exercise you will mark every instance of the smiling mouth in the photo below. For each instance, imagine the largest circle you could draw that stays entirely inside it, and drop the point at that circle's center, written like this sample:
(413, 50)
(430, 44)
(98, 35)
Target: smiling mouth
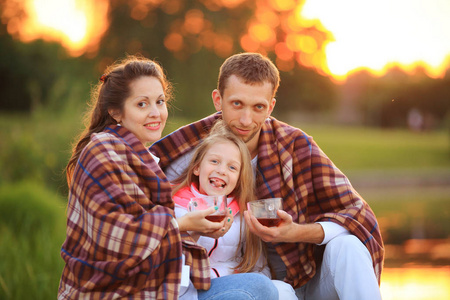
(218, 183)
(152, 125)
(243, 131)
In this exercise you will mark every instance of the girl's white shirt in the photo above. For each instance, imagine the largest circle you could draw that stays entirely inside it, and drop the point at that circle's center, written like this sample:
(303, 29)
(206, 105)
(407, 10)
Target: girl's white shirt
(222, 256)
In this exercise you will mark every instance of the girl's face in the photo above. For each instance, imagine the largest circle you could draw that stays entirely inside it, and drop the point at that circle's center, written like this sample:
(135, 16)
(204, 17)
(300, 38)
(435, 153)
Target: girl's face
(219, 170)
(145, 111)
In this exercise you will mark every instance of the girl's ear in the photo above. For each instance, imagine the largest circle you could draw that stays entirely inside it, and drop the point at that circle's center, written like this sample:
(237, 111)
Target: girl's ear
(196, 171)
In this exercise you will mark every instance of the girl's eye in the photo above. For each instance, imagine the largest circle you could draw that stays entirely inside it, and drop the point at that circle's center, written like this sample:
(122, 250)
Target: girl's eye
(233, 168)
(142, 104)
(160, 102)
(214, 161)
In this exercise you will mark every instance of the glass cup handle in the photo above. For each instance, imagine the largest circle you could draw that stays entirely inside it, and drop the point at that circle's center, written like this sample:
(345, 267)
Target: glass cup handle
(192, 205)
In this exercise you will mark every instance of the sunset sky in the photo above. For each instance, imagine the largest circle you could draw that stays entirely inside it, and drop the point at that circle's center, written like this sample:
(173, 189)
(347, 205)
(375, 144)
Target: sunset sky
(366, 34)
(375, 33)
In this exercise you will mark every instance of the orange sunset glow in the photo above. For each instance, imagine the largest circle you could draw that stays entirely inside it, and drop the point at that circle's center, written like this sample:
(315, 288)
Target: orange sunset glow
(77, 24)
(333, 37)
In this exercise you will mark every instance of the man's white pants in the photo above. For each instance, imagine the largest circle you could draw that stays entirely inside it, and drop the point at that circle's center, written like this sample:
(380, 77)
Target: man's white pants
(346, 273)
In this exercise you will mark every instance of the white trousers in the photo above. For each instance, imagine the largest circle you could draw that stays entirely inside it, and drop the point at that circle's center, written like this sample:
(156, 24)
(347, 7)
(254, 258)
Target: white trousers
(346, 273)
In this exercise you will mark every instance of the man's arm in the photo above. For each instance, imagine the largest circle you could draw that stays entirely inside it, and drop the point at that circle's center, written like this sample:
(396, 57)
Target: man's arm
(177, 167)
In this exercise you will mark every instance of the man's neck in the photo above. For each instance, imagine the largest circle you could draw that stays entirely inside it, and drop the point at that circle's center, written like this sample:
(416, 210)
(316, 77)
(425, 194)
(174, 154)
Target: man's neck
(252, 146)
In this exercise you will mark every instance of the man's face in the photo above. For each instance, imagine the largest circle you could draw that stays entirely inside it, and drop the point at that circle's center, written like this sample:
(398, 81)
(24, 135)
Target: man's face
(244, 108)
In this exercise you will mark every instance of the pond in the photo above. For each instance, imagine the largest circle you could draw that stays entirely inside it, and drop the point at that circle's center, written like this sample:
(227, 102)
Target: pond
(416, 283)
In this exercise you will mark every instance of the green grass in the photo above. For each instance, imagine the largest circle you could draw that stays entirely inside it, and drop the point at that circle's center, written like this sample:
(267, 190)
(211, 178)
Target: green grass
(356, 148)
(364, 148)
(32, 228)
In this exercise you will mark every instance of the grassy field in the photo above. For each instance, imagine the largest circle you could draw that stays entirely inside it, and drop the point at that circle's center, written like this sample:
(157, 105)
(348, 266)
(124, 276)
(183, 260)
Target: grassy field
(34, 150)
(356, 148)
(365, 148)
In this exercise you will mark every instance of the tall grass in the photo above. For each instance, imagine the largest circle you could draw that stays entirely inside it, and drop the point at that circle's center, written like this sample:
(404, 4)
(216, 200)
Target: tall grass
(32, 228)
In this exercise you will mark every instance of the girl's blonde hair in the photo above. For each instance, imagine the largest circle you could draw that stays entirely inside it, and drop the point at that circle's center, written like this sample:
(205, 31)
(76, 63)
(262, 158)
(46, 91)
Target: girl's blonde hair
(244, 191)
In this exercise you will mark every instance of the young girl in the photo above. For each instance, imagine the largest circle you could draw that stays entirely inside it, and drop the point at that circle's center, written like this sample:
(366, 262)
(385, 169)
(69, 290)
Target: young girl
(221, 165)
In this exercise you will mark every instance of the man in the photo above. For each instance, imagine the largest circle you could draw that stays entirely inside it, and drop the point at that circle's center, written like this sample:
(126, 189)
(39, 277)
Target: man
(320, 207)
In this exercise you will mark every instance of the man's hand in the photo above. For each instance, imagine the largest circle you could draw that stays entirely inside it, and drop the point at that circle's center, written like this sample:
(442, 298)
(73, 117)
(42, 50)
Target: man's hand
(287, 231)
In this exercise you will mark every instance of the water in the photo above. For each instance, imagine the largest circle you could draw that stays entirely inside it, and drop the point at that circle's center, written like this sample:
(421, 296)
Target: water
(416, 283)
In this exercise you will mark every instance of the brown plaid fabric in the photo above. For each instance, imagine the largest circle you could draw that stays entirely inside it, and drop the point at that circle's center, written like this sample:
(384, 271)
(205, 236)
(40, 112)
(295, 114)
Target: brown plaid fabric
(122, 238)
(293, 167)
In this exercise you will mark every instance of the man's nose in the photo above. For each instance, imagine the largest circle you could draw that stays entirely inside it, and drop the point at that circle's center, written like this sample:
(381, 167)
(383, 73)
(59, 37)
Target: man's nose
(246, 117)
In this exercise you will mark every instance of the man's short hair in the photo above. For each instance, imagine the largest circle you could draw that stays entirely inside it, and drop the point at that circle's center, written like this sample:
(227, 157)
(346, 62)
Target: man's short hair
(252, 68)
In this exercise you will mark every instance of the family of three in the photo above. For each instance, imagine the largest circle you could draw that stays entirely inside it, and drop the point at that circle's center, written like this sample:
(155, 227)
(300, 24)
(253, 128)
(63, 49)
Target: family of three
(129, 231)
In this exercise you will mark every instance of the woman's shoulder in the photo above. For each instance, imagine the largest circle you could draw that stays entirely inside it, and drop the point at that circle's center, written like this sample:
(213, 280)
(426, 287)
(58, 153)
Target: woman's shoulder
(104, 146)
(103, 137)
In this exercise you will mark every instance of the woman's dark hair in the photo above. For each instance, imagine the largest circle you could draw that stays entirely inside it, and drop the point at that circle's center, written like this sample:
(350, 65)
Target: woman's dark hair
(110, 95)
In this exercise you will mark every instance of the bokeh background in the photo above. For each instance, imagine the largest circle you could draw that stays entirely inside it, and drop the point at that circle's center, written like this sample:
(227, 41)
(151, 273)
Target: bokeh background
(369, 80)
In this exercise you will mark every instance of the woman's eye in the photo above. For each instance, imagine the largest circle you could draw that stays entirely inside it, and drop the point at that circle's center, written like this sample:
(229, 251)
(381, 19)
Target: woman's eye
(142, 104)
(160, 101)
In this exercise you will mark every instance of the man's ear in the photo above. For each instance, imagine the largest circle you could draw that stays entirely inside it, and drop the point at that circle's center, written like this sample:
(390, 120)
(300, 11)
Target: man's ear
(217, 99)
(115, 114)
(272, 106)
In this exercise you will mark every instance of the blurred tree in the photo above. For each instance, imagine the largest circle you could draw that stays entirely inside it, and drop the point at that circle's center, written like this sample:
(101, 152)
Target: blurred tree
(192, 38)
(304, 90)
(389, 100)
(30, 72)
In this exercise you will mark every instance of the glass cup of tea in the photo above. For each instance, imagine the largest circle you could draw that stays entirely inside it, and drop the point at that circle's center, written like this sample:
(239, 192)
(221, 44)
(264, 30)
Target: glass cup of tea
(265, 211)
(205, 202)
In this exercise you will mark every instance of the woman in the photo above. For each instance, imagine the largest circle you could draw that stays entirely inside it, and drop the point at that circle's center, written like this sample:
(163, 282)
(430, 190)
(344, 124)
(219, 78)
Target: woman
(122, 237)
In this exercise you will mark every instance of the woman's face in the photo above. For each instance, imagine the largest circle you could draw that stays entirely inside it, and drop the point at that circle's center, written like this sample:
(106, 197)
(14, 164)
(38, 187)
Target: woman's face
(145, 111)
(219, 170)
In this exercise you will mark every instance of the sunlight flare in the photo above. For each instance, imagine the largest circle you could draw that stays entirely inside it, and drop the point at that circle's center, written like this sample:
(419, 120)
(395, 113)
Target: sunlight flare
(376, 35)
(77, 24)
(336, 38)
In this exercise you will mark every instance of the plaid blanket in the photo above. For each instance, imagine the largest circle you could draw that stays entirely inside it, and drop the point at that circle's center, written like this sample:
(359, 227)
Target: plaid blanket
(122, 238)
(293, 167)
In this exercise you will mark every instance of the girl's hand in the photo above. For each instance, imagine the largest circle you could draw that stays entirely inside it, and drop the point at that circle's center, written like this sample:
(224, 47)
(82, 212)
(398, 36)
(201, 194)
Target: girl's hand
(196, 221)
(226, 224)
